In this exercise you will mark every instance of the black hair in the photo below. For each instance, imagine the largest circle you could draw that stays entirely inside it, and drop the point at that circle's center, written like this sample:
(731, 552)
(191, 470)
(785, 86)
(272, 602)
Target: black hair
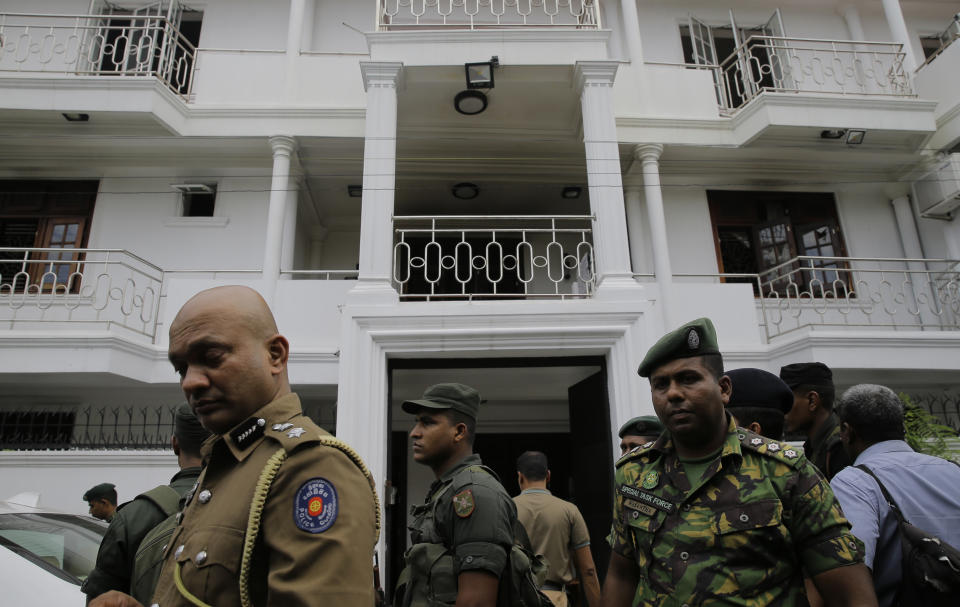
(874, 412)
(827, 393)
(714, 364)
(456, 417)
(771, 420)
(533, 465)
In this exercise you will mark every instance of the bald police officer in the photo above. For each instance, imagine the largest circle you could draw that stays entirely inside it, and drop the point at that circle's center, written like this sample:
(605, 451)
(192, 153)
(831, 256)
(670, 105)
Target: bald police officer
(463, 532)
(638, 431)
(711, 514)
(283, 513)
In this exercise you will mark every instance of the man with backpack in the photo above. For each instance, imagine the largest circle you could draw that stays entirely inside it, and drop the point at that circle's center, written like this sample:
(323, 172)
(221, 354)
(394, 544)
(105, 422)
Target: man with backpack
(926, 490)
(462, 538)
(134, 519)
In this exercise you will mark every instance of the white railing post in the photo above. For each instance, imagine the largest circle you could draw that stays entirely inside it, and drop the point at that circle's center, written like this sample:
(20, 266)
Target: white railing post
(381, 80)
(595, 82)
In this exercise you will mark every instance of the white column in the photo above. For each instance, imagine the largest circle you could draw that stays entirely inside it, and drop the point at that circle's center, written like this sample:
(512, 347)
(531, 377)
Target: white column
(306, 34)
(910, 238)
(379, 182)
(611, 249)
(635, 231)
(851, 15)
(290, 225)
(294, 37)
(283, 147)
(898, 29)
(631, 30)
(649, 157)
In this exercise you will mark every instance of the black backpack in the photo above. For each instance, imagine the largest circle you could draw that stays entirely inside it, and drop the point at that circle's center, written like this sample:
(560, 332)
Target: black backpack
(930, 567)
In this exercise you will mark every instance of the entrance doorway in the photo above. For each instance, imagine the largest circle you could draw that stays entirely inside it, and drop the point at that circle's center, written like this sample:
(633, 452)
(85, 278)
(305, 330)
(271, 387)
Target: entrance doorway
(555, 405)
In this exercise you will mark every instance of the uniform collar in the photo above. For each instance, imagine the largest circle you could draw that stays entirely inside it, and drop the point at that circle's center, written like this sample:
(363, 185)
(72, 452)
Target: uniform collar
(823, 433)
(244, 438)
(471, 460)
(730, 455)
(887, 446)
(526, 491)
(730, 447)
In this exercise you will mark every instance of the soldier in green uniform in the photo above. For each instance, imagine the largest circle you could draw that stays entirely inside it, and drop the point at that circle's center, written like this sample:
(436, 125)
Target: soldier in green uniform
(137, 517)
(812, 415)
(638, 431)
(463, 532)
(712, 514)
(102, 501)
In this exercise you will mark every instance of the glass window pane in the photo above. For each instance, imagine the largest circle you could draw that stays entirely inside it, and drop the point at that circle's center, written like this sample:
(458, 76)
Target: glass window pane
(827, 251)
(72, 230)
(780, 232)
(57, 234)
(809, 240)
(766, 237)
(823, 236)
(769, 258)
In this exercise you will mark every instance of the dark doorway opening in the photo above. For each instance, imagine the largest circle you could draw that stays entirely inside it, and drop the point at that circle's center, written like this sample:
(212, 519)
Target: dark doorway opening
(575, 436)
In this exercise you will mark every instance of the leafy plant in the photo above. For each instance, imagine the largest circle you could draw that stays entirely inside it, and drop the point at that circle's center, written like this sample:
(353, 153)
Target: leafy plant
(925, 433)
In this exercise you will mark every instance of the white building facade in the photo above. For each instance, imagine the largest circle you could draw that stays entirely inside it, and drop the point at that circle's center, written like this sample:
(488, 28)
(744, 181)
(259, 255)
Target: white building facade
(789, 169)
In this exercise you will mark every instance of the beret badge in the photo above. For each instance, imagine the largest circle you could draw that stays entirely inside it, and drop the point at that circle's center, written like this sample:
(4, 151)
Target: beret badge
(693, 339)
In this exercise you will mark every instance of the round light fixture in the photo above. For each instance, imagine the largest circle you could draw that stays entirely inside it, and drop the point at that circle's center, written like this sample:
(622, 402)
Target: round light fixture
(465, 191)
(470, 102)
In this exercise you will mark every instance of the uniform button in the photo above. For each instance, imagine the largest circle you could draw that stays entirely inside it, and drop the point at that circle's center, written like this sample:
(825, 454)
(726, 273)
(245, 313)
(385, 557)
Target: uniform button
(684, 556)
(179, 517)
(155, 605)
(744, 518)
(686, 507)
(204, 496)
(179, 551)
(469, 559)
(261, 422)
(201, 557)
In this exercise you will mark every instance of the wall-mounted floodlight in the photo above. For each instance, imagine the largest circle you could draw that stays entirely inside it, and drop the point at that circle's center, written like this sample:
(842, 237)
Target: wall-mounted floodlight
(855, 136)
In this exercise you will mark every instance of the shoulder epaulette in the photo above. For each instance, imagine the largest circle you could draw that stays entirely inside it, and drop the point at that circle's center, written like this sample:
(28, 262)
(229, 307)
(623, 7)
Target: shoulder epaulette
(778, 450)
(293, 434)
(634, 453)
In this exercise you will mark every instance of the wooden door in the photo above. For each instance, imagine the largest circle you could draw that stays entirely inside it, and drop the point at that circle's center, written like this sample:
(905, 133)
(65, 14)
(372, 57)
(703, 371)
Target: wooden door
(55, 271)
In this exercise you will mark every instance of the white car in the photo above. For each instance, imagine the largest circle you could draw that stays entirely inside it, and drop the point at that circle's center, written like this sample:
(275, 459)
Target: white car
(44, 555)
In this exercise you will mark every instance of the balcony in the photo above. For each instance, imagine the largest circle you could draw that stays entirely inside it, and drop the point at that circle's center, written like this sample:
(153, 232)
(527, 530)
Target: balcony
(395, 15)
(493, 257)
(810, 66)
(76, 46)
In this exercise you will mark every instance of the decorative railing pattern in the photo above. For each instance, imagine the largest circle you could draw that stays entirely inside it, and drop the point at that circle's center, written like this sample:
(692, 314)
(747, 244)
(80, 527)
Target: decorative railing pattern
(104, 287)
(97, 45)
(918, 294)
(500, 256)
(487, 14)
(802, 65)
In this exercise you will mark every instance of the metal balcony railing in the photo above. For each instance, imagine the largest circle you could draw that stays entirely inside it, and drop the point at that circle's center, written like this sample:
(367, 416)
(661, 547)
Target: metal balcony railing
(946, 37)
(805, 65)
(493, 257)
(107, 288)
(395, 15)
(97, 45)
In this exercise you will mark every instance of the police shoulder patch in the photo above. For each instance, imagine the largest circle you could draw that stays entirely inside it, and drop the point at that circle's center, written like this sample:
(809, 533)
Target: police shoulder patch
(316, 506)
(464, 504)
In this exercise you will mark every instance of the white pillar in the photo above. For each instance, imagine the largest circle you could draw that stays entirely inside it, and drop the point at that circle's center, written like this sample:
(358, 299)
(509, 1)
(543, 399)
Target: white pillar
(631, 30)
(898, 29)
(611, 249)
(283, 147)
(635, 231)
(290, 225)
(910, 238)
(306, 34)
(649, 157)
(379, 183)
(294, 38)
(851, 15)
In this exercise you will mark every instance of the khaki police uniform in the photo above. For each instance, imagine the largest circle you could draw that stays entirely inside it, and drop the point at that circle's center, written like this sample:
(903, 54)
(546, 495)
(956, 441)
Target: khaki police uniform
(312, 542)
(465, 524)
(556, 529)
(742, 534)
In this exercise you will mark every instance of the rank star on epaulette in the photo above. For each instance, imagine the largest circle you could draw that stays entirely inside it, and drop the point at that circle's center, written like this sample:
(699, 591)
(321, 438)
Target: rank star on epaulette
(756, 441)
(773, 447)
(282, 427)
(295, 433)
(464, 504)
(248, 432)
(790, 453)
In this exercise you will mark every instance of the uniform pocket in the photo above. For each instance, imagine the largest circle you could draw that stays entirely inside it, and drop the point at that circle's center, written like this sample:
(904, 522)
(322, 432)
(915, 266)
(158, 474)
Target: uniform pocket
(748, 517)
(756, 544)
(643, 527)
(209, 561)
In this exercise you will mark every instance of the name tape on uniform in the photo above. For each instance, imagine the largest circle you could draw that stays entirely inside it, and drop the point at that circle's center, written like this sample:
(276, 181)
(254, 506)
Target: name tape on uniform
(640, 495)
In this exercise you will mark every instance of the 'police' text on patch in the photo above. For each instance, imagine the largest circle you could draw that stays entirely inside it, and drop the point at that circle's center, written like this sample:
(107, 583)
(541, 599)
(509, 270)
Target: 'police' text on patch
(316, 506)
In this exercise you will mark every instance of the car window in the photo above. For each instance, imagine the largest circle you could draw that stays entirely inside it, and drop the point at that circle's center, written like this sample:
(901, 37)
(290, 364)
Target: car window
(66, 542)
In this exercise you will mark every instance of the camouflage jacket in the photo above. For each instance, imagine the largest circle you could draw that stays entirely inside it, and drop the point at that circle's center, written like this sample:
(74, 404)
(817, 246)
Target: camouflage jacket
(825, 450)
(740, 535)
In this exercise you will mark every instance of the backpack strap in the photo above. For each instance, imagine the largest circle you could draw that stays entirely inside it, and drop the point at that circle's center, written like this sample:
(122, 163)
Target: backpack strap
(886, 494)
(164, 497)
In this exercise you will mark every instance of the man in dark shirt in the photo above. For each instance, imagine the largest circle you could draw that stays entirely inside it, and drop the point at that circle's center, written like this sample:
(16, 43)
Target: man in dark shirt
(812, 415)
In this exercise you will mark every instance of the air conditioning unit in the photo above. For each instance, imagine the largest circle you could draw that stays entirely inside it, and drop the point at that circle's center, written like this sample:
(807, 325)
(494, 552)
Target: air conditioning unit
(938, 192)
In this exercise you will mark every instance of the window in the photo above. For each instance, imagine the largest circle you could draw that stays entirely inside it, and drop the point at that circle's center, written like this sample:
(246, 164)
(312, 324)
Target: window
(764, 233)
(197, 199)
(48, 215)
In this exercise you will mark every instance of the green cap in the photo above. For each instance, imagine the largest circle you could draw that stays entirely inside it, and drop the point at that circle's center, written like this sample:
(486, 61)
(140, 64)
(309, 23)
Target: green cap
(103, 490)
(696, 338)
(645, 425)
(458, 397)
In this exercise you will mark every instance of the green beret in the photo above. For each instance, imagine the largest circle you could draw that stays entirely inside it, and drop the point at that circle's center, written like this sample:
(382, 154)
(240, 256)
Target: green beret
(645, 425)
(695, 338)
(103, 490)
(458, 397)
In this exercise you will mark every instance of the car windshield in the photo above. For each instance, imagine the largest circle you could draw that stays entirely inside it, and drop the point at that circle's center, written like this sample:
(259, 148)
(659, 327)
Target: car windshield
(66, 544)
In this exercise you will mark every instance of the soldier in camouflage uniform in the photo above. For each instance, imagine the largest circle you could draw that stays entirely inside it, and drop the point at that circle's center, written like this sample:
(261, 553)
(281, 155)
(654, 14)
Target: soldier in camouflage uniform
(812, 415)
(711, 514)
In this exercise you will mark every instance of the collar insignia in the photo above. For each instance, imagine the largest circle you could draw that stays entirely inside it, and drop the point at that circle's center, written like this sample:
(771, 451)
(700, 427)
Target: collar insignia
(248, 432)
(282, 427)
